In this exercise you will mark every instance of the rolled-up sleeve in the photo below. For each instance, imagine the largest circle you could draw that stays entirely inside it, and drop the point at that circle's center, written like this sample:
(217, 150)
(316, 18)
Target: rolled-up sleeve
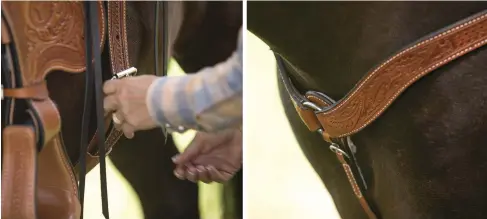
(210, 100)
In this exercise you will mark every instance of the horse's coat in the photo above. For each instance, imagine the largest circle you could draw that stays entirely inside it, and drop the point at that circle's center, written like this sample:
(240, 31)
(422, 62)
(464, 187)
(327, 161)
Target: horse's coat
(424, 157)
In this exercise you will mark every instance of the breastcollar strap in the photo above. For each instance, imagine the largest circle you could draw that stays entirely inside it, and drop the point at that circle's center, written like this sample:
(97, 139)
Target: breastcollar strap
(337, 121)
(390, 79)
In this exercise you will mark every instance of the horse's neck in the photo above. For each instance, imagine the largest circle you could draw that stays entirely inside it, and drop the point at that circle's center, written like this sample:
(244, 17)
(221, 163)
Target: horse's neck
(334, 44)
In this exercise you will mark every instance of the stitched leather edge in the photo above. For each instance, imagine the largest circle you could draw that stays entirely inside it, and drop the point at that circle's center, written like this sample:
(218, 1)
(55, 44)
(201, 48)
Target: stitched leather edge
(118, 48)
(356, 189)
(330, 119)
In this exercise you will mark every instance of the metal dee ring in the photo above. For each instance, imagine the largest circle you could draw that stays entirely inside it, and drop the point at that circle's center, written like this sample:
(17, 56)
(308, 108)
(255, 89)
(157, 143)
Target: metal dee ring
(311, 105)
(335, 149)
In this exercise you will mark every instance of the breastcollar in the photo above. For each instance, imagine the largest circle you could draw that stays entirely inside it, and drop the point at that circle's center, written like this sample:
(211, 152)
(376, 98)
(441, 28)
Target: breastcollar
(336, 121)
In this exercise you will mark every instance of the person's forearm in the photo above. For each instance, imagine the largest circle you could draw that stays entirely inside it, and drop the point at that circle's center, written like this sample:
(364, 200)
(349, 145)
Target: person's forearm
(208, 100)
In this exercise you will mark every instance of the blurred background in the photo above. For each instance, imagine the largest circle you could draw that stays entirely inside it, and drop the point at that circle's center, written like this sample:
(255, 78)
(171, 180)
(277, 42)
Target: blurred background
(279, 181)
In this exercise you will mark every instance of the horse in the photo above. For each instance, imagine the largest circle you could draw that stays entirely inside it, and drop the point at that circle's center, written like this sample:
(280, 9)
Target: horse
(423, 157)
(200, 34)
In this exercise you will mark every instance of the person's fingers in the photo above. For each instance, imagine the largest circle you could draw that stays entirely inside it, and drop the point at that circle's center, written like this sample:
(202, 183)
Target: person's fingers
(191, 173)
(218, 176)
(117, 126)
(110, 86)
(175, 159)
(118, 120)
(110, 103)
(190, 152)
(128, 130)
(180, 172)
(220, 163)
(203, 174)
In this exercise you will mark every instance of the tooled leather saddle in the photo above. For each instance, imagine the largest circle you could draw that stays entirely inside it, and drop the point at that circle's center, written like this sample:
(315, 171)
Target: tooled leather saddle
(38, 179)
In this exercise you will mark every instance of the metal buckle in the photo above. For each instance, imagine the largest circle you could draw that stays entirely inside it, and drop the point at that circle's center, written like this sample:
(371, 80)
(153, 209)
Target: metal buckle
(312, 106)
(125, 73)
(316, 108)
(334, 147)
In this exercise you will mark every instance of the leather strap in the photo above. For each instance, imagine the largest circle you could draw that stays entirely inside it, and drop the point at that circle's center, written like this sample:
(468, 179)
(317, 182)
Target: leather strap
(19, 172)
(36, 92)
(376, 92)
(356, 189)
(5, 33)
(117, 34)
(95, 70)
(380, 87)
(119, 55)
(299, 101)
(119, 60)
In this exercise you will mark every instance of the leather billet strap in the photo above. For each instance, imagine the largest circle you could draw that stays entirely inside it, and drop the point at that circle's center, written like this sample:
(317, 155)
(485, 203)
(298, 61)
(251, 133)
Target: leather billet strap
(119, 59)
(395, 75)
(355, 187)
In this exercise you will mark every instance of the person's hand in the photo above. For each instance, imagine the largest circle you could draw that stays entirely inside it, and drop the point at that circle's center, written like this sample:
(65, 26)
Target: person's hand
(126, 99)
(211, 157)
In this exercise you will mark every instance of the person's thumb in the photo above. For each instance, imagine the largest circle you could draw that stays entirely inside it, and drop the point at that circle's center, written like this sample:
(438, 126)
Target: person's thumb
(190, 152)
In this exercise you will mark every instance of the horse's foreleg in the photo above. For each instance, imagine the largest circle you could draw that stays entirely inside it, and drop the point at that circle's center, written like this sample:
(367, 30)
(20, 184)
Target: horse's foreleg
(145, 161)
(233, 196)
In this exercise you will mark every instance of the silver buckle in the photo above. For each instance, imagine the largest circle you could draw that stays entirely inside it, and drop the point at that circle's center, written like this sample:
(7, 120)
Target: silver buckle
(312, 106)
(334, 147)
(125, 73)
(315, 108)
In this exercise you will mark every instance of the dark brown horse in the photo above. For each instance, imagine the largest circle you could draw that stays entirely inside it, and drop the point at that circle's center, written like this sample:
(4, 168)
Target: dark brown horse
(425, 157)
(200, 34)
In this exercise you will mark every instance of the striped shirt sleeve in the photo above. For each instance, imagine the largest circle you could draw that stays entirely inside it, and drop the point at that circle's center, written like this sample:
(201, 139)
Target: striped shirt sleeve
(210, 100)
